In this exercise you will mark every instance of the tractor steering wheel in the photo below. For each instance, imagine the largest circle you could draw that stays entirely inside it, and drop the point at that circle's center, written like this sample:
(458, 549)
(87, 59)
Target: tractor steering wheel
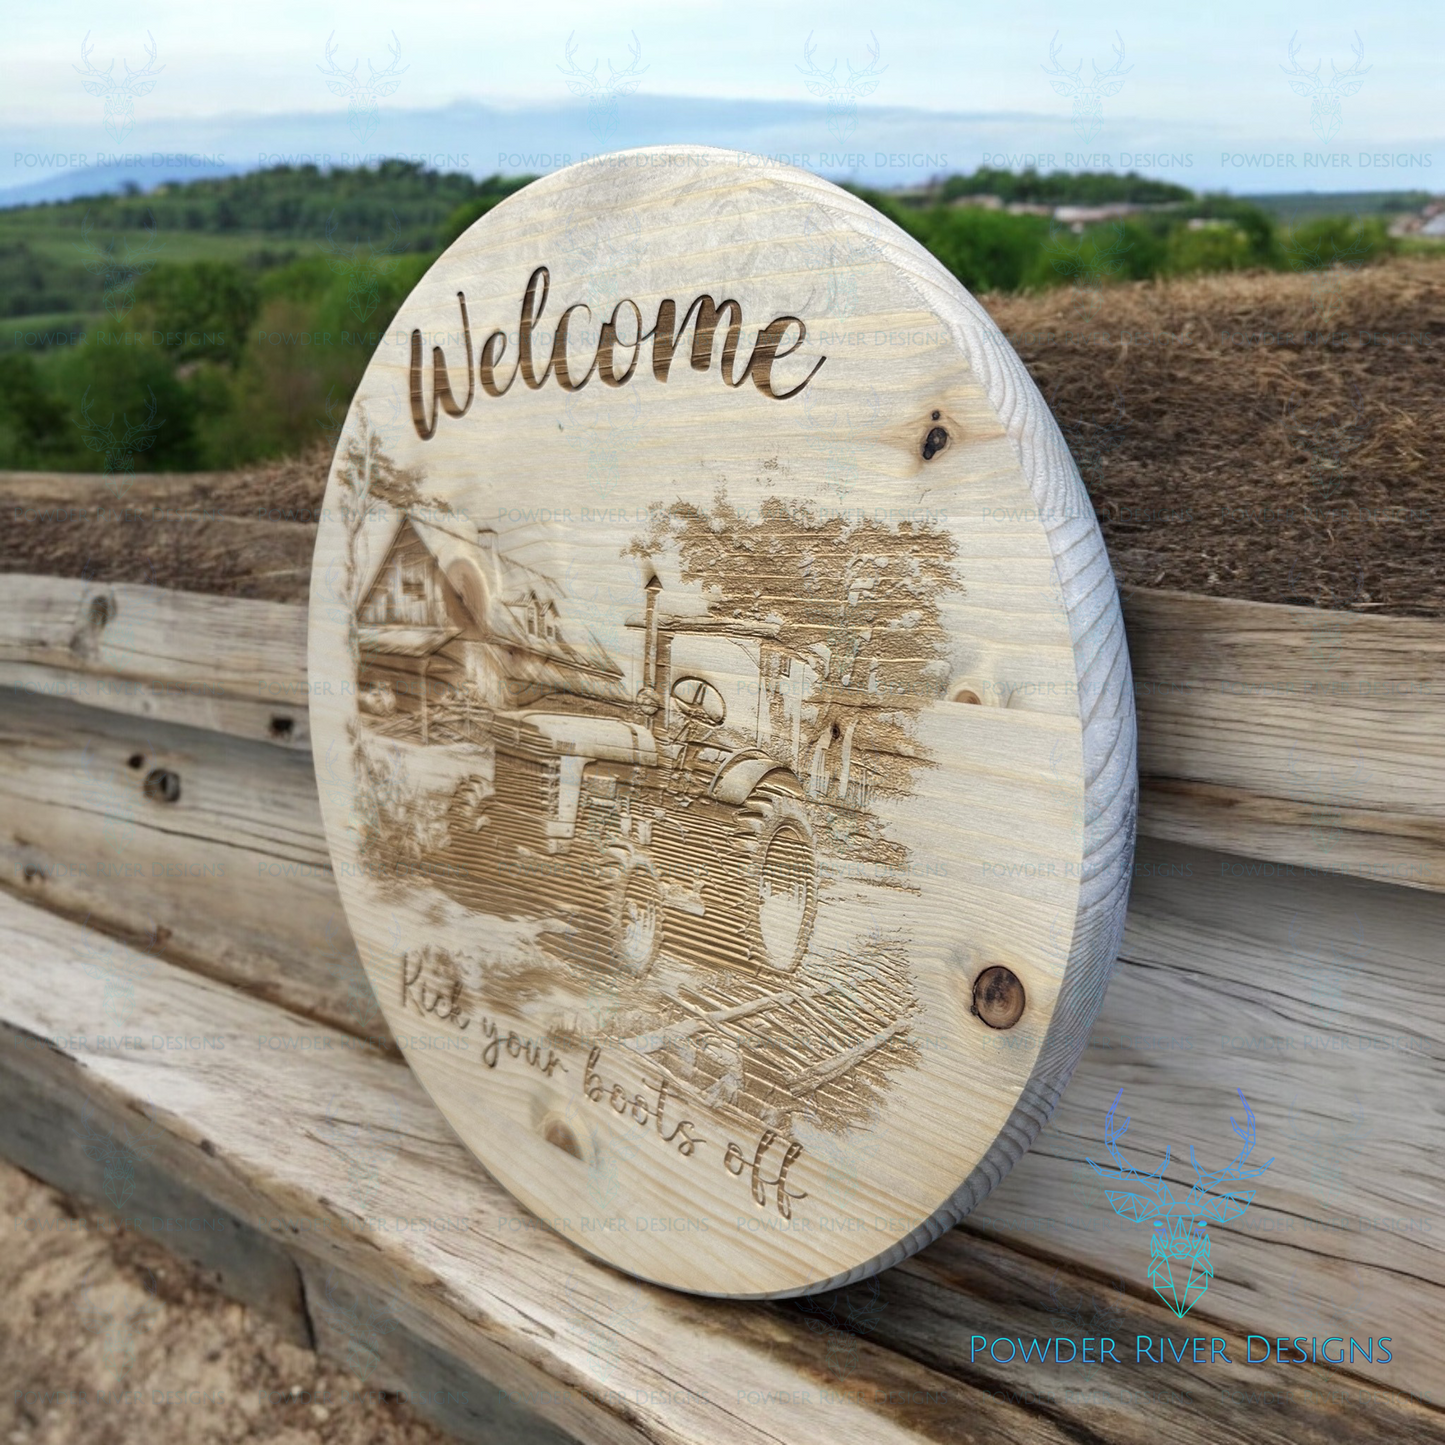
(699, 702)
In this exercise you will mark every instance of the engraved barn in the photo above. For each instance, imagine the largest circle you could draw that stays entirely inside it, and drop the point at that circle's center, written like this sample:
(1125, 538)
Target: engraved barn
(449, 621)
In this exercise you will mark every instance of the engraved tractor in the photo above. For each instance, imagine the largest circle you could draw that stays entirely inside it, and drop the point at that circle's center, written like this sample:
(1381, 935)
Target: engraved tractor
(667, 825)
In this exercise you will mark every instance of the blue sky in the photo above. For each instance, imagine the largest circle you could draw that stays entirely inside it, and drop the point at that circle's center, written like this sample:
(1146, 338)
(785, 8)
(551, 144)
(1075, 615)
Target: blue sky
(1203, 94)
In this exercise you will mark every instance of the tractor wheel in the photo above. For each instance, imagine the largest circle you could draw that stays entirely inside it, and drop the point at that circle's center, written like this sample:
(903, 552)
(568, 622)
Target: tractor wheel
(781, 878)
(467, 811)
(634, 913)
(476, 840)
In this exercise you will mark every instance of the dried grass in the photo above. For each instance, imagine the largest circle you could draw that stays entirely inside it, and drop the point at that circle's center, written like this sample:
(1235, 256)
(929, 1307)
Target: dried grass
(1275, 437)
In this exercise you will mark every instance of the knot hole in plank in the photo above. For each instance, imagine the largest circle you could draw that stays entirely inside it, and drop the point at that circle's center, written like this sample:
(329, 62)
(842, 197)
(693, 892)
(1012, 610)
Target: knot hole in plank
(96, 614)
(162, 785)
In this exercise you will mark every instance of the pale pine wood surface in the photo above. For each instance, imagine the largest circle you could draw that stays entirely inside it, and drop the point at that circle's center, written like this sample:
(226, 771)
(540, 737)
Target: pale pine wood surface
(1028, 808)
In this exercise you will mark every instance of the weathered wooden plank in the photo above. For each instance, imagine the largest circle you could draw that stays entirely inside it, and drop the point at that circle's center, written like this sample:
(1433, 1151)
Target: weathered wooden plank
(339, 1153)
(1318, 997)
(1318, 736)
(965, 1287)
(1321, 1000)
(380, 1348)
(52, 1132)
(1309, 737)
(232, 876)
(104, 1154)
(1393, 847)
(226, 663)
(331, 1153)
(283, 724)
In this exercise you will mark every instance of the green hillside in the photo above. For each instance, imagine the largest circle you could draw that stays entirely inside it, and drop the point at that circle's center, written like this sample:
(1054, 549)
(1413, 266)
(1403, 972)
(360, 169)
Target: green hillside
(229, 319)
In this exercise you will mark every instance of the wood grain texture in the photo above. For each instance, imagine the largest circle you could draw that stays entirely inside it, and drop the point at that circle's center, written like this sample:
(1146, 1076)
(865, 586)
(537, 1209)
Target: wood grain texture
(1184, 797)
(961, 708)
(232, 877)
(1316, 995)
(1319, 998)
(385, 1348)
(1286, 732)
(224, 663)
(340, 1153)
(330, 1151)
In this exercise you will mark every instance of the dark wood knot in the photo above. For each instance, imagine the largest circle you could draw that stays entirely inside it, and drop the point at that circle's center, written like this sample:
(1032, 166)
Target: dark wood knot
(998, 997)
(161, 785)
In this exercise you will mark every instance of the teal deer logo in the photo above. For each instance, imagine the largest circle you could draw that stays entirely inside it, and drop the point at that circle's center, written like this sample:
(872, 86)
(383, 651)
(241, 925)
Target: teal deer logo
(1088, 95)
(118, 91)
(842, 92)
(1180, 1267)
(1325, 95)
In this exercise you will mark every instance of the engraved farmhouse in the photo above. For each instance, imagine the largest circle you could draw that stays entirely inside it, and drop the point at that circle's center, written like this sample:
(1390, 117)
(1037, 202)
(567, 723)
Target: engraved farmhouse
(449, 617)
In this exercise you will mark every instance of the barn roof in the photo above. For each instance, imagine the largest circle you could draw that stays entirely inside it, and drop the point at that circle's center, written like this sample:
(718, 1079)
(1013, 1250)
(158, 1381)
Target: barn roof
(509, 586)
(406, 641)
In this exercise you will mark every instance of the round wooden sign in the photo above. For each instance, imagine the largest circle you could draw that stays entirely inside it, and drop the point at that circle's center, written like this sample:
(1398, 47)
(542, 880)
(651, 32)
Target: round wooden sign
(723, 721)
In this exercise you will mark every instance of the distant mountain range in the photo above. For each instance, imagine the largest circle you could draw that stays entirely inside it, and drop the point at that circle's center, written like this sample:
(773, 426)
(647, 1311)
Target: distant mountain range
(876, 146)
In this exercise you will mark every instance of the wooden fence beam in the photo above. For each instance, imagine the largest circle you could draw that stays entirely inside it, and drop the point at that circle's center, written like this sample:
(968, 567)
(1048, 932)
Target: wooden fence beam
(1308, 737)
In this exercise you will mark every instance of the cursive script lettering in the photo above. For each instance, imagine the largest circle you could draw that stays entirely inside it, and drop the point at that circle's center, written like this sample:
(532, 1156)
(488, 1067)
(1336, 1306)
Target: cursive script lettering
(444, 1004)
(441, 384)
(735, 1161)
(517, 1048)
(703, 314)
(665, 338)
(637, 1108)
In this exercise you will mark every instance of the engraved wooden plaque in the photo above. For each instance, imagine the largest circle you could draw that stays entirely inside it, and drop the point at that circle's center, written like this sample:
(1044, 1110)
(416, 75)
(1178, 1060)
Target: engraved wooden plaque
(723, 721)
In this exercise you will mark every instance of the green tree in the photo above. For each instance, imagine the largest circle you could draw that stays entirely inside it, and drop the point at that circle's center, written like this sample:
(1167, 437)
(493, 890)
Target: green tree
(203, 309)
(109, 389)
(1257, 225)
(32, 420)
(986, 250)
(274, 403)
(1218, 246)
(1337, 240)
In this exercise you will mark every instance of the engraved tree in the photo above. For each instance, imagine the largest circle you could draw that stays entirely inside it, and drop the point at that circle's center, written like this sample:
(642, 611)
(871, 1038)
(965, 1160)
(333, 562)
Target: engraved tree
(395, 818)
(368, 479)
(857, 598)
